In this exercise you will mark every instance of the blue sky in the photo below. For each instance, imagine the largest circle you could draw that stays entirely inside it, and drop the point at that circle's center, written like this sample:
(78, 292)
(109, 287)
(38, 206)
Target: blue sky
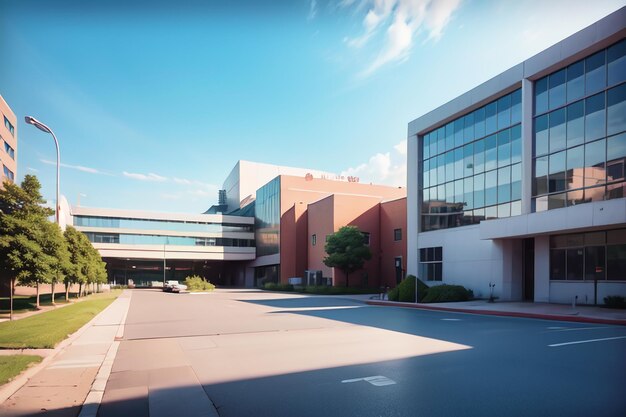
(154, 102)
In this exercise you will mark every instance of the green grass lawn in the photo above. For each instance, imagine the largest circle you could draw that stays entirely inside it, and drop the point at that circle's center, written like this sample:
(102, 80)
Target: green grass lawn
(46, 329)
(13, 365)
(22, 303)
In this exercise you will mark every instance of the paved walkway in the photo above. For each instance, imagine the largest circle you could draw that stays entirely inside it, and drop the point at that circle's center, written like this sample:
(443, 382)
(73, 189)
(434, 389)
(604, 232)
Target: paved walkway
(546, 311)
(75, 373)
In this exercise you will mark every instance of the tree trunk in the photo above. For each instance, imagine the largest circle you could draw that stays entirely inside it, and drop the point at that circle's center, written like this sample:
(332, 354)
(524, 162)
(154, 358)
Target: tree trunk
(67, 291)
(37, 304)
(80, 290)
(53, 303)
(11, 296)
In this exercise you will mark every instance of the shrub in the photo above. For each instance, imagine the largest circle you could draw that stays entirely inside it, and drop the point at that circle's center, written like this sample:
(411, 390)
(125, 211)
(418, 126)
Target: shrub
(447, 293)
(405, 291)
(277, 286)
(615, 301)
(197, 283)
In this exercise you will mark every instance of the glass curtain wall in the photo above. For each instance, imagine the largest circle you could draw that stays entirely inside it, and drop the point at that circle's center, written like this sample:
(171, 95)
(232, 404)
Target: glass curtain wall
(267, 218)
(148, 224)
(579, 139)
(471, 167)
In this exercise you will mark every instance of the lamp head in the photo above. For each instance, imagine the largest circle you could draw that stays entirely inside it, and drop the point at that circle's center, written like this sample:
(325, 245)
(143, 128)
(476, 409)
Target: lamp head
(32, 121)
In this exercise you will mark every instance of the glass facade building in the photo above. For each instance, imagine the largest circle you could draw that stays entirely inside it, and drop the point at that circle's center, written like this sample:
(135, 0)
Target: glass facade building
(521, 181)
(471, 167)
(579, 137)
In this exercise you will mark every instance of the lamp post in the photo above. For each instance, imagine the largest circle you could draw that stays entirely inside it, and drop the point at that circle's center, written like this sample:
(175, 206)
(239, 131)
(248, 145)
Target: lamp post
(32, 121)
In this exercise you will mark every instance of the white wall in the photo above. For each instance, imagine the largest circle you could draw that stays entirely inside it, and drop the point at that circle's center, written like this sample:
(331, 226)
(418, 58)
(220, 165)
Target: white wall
(474, 263)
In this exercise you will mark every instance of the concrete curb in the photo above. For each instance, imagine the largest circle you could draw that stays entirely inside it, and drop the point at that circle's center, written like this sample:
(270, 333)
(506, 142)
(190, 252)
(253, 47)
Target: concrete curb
(542, 316)
(13, 386)
(92, 402)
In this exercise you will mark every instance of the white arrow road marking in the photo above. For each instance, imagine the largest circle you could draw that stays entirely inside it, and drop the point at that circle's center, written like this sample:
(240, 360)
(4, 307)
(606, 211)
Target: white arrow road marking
(377, 381)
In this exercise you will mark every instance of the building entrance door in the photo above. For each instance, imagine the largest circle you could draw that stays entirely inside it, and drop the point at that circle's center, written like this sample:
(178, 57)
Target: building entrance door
(528, 269)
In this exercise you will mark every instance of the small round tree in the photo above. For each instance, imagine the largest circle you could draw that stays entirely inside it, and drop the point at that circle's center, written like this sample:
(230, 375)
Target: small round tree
(347, 250)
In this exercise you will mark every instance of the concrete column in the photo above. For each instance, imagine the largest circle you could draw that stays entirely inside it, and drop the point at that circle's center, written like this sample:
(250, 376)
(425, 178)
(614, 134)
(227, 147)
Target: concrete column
(527, 145)
(542, 269)
(413, 210)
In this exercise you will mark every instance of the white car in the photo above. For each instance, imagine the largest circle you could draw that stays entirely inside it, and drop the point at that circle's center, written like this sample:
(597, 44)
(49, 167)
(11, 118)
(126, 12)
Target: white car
(174, 286)
(178, 287)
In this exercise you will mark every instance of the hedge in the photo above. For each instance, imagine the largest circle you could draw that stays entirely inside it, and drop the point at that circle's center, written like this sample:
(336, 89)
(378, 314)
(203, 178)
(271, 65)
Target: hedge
(405, 291)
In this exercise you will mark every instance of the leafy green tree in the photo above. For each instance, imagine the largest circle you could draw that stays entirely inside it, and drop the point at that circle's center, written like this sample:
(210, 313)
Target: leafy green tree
(347, 251)
(79, 247)
(29, 243)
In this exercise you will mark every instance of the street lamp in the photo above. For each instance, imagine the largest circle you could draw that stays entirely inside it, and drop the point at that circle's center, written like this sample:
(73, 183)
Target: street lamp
(32, 121)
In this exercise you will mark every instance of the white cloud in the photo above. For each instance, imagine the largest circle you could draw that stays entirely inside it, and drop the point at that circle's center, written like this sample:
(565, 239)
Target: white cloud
(145, 177)
(383, 168)
(76, 167)
(403, 20)
(32, 169)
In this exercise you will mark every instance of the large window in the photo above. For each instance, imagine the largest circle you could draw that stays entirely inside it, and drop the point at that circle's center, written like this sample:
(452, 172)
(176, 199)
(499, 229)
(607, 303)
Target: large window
(471, 168)
(267, 218)
(589, 256)
(9, 150)
(133, 239)
(148, 224)
(431, 262)
(8, 173)
(580, 132)
(9, 126)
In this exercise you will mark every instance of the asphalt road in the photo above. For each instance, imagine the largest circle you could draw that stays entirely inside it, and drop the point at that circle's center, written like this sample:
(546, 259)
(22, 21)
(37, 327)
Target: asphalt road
(249, 353)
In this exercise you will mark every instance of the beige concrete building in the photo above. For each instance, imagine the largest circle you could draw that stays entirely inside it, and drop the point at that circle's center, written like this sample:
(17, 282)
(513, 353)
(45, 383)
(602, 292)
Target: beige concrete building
(8, 143)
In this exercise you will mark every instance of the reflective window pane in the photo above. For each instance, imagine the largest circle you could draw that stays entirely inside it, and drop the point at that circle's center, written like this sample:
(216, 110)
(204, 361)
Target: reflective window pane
(540, 183)
(468, 160)
(490, 118)
(516, 106)
(449, 136)
(575, 81)
(576, 123)
(468, 131)
(595, 154)
(616, 262)
(616, 59)
(575, 165)
(468, 191)
(557, 130)
(458, 191)
(557, 264)
(541, 135)
(479, 191)
(504, 148)
(616, 110)
(595, 73)
(616, 157)
(479, 156)
(541, 95)
(449, 165)
(491, 152)
(556, 92)
(504, 112)
(556, 180)
(458, 132)
(516, 208)
(479, 122)
(458, 163)
(556, 201)
(504, 184)
(516, 181)
(516, 144)
(491, 190)
(595, 123)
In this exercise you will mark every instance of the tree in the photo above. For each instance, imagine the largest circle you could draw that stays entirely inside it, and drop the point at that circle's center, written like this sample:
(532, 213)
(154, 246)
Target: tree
(347, 251)
(29, 243)
(78, 246)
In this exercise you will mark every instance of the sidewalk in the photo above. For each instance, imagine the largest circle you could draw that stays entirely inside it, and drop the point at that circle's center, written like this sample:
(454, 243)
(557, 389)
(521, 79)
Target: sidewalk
(73, 373)
(545, 311)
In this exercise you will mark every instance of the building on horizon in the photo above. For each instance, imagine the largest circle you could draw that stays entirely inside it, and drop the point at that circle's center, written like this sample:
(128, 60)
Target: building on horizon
(8, 143)
(258, 232)
(520, 182)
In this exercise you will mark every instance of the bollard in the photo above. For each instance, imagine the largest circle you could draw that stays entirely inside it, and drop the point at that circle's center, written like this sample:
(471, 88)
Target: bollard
(574, 302)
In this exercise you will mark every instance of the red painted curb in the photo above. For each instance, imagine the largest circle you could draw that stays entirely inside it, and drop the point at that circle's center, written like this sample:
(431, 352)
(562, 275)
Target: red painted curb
(577, 319)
